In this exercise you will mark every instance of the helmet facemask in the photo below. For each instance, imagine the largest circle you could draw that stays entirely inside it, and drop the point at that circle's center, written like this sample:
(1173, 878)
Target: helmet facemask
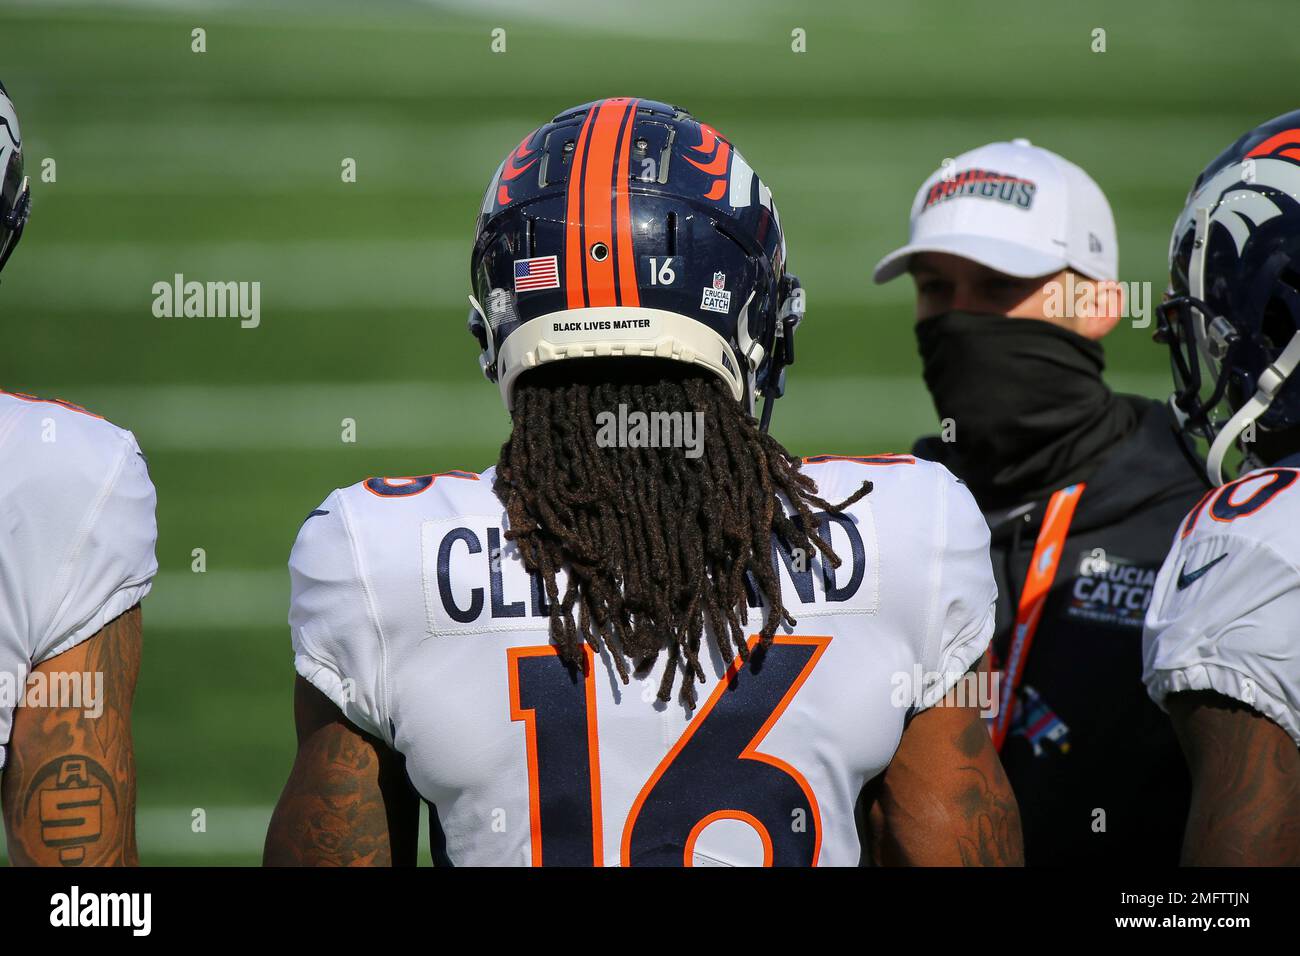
(15, 189)
(1219, 330)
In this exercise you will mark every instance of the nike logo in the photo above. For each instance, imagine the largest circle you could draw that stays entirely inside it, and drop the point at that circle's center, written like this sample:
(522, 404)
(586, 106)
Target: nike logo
(1186, 580)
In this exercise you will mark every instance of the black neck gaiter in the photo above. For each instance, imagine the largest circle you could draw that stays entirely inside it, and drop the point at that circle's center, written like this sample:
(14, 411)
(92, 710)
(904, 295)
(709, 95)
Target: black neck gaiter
(1029, 410)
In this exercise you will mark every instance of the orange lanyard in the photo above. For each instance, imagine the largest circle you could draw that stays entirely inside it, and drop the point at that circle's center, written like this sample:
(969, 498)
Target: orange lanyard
(1038, 583)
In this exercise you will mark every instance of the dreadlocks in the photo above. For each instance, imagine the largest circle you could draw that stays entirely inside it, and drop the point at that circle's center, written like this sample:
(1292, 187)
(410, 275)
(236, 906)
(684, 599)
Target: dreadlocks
(656, 544)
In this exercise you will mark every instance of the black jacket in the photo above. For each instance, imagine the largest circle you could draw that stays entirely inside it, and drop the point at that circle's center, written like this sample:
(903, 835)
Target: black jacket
(1094, 763)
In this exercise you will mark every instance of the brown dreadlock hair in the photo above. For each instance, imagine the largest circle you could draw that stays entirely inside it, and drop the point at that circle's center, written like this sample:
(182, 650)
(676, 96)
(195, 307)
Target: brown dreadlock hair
(656, 544)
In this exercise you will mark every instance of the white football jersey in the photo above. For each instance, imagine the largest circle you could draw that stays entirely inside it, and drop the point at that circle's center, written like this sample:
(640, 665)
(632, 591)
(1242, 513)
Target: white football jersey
(414, 615)
(77, 549)
(1225, 615)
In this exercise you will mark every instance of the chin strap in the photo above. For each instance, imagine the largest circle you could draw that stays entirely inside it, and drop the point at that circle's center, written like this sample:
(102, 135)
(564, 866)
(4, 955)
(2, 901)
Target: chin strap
(1270, 383)
(787, 321)
(751, 353)
(16, 221)
(478, 326)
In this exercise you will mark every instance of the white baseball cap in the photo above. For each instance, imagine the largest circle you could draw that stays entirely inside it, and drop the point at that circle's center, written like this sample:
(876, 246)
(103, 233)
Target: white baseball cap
(1016, 208)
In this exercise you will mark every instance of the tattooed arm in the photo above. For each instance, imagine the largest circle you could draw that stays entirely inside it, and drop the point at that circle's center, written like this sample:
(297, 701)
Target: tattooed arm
(944, 799)
(1245, 783)
(69, 784)
(348, 801)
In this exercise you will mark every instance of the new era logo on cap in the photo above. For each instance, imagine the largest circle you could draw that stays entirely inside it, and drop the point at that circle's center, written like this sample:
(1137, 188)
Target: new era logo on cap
(1013, 207)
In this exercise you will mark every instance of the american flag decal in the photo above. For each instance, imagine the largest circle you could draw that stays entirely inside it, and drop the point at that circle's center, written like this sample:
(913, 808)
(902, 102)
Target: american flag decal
(543, 272)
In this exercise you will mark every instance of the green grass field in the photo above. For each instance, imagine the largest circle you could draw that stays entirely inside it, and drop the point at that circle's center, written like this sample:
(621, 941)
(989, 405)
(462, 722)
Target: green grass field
(225, 165)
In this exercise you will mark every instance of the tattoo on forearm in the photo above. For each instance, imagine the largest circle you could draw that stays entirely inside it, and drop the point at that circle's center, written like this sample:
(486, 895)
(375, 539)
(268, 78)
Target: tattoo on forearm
(992, 818)
(1246, 797)
(332, 812)
(69, 787)
(70, 805)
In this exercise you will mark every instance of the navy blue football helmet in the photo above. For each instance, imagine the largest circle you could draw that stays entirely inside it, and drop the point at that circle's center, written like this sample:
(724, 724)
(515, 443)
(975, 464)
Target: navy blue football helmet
(15, 196)
(1232, 316)
(626, 227)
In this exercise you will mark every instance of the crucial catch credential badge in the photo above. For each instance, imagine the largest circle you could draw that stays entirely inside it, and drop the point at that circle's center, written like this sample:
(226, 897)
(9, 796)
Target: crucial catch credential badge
(1110, 590)
(717, 299)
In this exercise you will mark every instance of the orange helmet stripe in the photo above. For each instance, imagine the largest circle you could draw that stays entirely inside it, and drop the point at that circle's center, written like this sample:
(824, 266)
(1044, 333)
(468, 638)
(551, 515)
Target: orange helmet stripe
(598, 199)
(598, 209)
(574, 260)
(624, 257)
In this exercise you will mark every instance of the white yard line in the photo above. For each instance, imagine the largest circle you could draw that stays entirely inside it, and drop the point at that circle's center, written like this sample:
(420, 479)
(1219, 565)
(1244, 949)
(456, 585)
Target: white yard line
(301, 416)
(848, 414)
(223, 600)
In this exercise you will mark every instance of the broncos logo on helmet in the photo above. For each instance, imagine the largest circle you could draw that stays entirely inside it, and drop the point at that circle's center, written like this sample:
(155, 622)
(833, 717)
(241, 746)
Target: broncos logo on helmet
(1232, 316)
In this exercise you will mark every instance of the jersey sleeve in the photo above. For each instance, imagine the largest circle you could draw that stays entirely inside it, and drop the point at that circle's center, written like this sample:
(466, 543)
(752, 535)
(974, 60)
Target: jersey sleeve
(1225, 617)
(89, 513)
(965, 593)
(337, 644)
(77, 545)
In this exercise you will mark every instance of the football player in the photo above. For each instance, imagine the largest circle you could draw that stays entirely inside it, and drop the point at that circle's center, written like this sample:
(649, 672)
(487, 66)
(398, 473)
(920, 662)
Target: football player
(646, 636)
(76, 557)
(1220, 648)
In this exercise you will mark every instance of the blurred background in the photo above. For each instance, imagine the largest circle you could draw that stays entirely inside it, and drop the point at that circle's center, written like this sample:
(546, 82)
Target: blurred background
(226, 166)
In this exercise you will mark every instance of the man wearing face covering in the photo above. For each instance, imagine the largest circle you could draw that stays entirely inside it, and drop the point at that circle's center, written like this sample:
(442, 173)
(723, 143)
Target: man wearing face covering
(1014, 257)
